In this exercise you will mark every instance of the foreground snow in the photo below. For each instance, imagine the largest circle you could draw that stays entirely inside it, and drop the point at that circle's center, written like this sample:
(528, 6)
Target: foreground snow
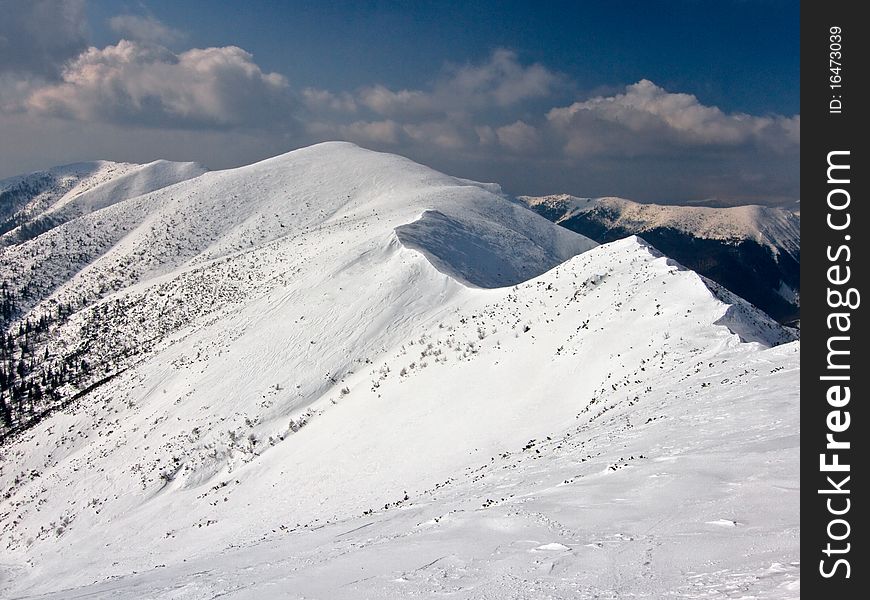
(706, 508)
(320, 393)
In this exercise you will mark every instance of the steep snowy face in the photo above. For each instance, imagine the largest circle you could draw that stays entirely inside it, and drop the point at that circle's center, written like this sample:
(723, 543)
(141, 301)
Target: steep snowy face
(32, 204)
(321, 215)
(320, 339)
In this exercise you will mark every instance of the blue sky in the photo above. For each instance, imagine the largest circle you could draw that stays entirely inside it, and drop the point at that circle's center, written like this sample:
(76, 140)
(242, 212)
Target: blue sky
(671, 101)
(740, 56)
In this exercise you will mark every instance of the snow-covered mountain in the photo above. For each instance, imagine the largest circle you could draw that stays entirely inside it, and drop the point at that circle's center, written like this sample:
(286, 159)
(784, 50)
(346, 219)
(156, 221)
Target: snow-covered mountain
(340, 374)
(31, 204)
(752, 250)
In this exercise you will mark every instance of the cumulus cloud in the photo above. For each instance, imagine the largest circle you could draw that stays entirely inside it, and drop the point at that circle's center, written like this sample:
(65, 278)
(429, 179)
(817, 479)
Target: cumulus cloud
(499, 82)
(398, 136)
(38, 36)
(445, 135)
(371, 132)
(317, 101)
(475, 120)
(647, 119)
(144, 29)
(148, 85)
(639, 141)
(519, 137)
(442, 117)
(401, 103)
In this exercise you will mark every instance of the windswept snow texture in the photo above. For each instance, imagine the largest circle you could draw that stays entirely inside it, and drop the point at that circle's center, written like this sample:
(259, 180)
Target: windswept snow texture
(316, 392)
(475, 250)
(32, 204)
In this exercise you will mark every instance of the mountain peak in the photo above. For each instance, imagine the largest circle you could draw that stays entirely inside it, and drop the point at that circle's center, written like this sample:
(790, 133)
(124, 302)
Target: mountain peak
(334, 346)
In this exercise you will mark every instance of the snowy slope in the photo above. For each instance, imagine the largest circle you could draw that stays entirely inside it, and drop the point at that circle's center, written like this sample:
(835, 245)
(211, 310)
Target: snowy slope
(312, 387)
(754, 251)
(649, 504)
(31, 204)
(303, 195)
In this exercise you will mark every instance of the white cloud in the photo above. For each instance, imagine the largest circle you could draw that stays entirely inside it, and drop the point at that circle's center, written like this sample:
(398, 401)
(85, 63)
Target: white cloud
(317, 100)
(384, 101)
(432, 135)
(443, 116)
(476, 120)
(648, 119)
(519, 137)
(500, 82)
(144, 29)
(440, 134)
(143, 84)
(377, 132)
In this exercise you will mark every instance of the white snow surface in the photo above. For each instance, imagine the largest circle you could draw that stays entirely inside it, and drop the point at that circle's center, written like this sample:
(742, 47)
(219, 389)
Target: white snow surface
(361, 378)
(70, 191)
(775, 228)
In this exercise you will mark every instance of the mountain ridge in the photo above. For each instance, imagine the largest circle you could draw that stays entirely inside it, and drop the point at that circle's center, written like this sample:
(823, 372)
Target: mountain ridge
(752, 250)
(34, 203)
(221, 216)
(310, 367)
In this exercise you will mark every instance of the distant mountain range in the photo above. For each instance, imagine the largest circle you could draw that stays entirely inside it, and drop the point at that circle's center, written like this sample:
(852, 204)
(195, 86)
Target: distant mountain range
(754, 251)
(340, 374)
(34, 203)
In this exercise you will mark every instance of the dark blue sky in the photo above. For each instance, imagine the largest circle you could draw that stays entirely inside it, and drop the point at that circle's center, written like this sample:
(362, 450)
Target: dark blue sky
(666, 101)
(738, 55)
